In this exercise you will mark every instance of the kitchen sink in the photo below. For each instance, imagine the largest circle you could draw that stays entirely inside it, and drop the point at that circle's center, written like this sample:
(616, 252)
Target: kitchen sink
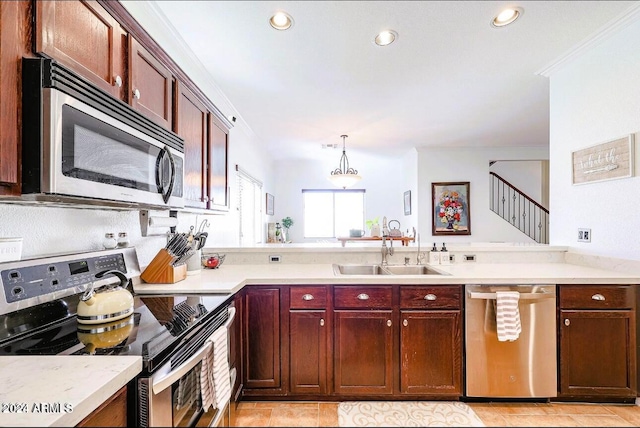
(339, 269)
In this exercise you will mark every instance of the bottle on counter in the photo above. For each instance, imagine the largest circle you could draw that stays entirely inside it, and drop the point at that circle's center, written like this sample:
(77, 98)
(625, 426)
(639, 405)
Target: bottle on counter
(123, 240)
(109, 241)
(444, 255)
(434, 256)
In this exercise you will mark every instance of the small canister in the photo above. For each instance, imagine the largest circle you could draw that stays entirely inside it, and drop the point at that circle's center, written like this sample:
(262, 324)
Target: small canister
(123, 240)
(194, 265)
(109, 241)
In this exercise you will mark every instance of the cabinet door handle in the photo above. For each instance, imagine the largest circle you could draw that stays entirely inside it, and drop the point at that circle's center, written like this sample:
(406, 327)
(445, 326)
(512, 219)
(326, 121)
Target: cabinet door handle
(136, 94)
(363, 296)
(567, 322)
(388, 323)
(118, 81)
(307, 297)
(321, 322)
(405, 323)
(430, 297)
(598, 297)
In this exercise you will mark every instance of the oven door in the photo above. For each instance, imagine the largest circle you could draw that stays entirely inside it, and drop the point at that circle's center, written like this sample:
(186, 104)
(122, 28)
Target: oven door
(90, 154)
(172, 397)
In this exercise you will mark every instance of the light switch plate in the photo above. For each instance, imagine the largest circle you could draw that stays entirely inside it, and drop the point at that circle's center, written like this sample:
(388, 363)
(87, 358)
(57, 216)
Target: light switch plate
(584, 235)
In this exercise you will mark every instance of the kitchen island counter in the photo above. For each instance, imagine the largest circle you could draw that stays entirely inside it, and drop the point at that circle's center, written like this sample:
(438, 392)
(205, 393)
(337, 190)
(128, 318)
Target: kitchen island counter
(60, 390)
(230, 278)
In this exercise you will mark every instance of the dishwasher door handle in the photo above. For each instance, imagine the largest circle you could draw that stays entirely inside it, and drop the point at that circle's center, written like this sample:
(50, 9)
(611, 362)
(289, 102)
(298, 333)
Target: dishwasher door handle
(523, 296)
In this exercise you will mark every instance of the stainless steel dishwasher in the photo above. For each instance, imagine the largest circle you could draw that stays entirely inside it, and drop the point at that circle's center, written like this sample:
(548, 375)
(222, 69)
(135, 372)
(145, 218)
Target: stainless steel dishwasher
(523, 368)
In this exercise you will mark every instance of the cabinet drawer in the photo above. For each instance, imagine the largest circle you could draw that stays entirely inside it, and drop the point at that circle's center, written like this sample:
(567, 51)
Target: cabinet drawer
(362, 297)
(597, 297)
(305, 297)
(436, 297)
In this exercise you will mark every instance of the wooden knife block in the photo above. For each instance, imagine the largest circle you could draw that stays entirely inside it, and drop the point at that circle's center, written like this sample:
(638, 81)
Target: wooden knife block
(161, 271)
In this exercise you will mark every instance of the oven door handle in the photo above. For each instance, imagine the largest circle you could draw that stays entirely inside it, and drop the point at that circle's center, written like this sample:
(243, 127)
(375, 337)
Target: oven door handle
(232, 315)
(174, 375)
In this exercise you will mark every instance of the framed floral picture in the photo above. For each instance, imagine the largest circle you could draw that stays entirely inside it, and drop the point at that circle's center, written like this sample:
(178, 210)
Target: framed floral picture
(451, 214)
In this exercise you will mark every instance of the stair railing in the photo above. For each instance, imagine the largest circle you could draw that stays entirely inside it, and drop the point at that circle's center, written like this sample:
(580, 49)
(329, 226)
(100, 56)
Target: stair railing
(519, 210)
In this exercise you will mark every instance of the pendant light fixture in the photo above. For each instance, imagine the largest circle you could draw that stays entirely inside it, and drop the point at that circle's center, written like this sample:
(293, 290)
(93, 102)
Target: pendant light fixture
(344, 176)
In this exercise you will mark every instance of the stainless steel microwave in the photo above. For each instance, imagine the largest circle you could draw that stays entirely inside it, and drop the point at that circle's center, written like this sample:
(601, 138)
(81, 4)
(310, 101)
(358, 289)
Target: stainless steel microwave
(83, 147)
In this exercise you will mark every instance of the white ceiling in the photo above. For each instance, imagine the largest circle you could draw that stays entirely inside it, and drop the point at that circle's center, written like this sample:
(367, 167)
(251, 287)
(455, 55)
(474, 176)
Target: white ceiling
(450, 79)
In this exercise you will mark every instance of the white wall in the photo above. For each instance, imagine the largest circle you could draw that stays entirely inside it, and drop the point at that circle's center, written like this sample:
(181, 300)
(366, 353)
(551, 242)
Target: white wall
(384, 179)
(596, 98)
(469, 164)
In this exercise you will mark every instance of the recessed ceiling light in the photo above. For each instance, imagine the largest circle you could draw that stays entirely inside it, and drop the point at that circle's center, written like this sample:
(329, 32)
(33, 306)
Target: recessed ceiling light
(507, 16)
(386, 37)
(281, 21)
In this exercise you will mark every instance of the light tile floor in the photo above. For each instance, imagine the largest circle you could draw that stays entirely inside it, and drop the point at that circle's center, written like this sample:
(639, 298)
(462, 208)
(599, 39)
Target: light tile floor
(493, 414)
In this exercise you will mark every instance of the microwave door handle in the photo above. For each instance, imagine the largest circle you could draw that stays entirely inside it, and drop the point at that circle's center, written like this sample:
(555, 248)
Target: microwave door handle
(165, 191)
(174, 375)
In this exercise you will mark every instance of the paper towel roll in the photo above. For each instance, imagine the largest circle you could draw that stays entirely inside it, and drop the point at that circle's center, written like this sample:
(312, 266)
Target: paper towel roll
(163, 221)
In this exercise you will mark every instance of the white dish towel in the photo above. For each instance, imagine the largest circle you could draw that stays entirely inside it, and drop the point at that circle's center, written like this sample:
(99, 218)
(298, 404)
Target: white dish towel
(221, 375)
(507, 315)
(207, 387)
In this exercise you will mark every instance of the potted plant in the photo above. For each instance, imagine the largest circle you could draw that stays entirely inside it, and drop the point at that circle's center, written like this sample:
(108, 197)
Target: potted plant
(373, 226)
(287, 222)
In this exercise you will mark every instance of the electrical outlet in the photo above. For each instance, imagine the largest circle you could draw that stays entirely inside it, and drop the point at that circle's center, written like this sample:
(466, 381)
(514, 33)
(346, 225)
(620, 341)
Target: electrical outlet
(274, 259)
(584, 235)
(469, 257)
(452, 258)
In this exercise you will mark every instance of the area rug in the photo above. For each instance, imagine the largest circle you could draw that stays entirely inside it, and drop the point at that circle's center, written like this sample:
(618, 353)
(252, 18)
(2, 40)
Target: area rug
(407, 414)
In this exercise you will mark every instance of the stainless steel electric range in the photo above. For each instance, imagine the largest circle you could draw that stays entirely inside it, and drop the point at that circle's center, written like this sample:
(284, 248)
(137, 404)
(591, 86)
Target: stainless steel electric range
(38, 305)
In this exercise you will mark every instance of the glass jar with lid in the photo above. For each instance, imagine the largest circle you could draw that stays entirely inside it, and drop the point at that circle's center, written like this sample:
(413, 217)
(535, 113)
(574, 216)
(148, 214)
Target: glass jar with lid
(109, 241)
(123, 240)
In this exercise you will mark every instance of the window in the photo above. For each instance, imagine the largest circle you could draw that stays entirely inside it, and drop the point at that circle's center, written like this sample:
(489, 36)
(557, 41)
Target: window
(249, 208)
(331, 213)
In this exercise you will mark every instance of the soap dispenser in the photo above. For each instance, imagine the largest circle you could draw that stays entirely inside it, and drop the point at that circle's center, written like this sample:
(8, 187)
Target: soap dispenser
(434, 255)
(444, 255)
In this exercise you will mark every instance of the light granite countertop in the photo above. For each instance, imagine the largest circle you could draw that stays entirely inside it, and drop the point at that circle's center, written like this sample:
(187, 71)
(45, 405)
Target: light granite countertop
(40, 391)
(230, 278)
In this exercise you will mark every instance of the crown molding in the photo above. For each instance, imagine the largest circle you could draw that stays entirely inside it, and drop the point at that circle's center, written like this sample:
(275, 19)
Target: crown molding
(628, 17)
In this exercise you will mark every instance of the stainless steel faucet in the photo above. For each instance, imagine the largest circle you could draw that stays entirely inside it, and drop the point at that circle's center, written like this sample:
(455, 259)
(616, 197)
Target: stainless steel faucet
(386, 251)
(419, 255)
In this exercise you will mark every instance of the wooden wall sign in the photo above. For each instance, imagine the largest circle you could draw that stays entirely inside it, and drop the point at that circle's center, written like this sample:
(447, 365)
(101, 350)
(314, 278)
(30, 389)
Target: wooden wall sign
(606, 161)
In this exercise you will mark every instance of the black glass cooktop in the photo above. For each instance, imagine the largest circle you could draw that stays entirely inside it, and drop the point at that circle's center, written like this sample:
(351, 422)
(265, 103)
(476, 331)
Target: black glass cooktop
(159, 327)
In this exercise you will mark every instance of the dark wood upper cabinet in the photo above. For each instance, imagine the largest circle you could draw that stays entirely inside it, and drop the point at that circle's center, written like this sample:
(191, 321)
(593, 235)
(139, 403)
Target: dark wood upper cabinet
(82, 36)
(102, 43)
(15, 37)
(191, 123)
(151, 82)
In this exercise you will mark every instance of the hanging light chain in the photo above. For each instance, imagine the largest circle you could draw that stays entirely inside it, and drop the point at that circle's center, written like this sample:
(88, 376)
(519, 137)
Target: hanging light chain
(344, 162)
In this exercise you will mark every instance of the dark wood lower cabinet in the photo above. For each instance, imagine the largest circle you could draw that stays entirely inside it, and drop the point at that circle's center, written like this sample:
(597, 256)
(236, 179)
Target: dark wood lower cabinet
(405, 342)
(430, 353)
(597, 358)
(308, 350)
(597, 343)
(111, 413)
(262, 338)
(363, 352)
